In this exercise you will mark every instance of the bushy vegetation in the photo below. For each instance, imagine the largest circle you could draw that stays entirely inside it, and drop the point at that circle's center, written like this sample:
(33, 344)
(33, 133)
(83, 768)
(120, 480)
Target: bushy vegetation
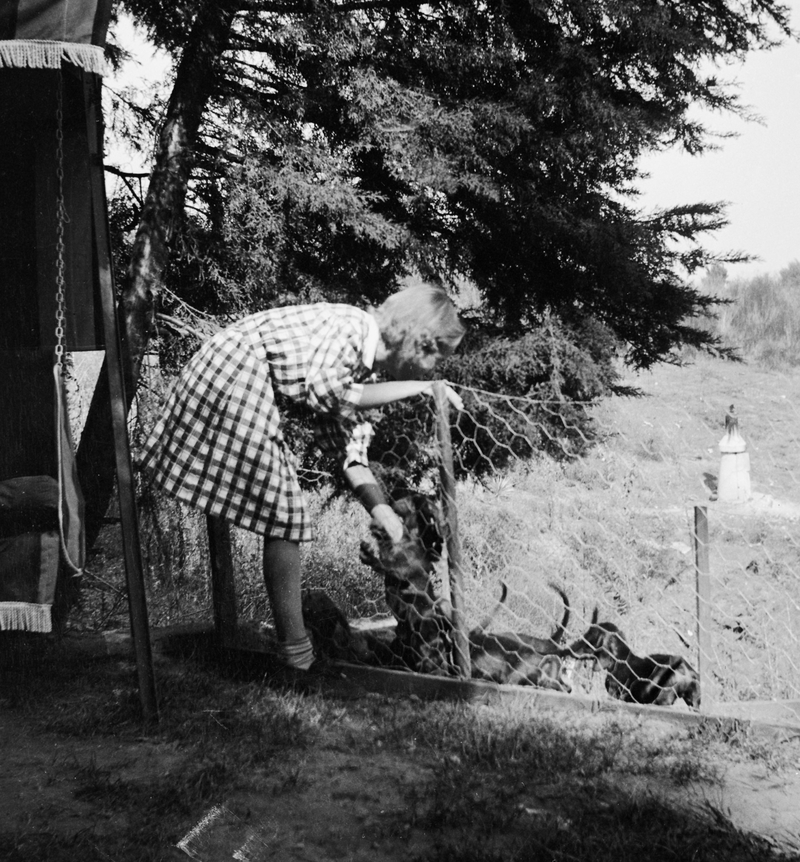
(760, 317)
(550, 377)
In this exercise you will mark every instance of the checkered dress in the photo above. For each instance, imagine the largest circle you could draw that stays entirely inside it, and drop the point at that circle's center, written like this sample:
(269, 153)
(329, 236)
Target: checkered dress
(219, 445)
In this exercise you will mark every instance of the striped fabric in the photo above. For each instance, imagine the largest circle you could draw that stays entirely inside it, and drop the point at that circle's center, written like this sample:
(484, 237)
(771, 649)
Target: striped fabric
(39, 34)
(219, 445)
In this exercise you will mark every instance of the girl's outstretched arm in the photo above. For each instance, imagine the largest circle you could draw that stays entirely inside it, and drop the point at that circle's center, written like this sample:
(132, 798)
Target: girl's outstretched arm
(378, 394)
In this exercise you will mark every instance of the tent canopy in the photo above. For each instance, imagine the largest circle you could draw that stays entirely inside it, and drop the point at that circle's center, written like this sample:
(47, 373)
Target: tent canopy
(40, 34)
(50, 51)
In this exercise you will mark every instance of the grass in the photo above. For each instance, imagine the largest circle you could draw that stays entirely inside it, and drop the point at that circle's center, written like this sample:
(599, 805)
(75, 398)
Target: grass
(613, 528)
(490, 783)
(227, 734)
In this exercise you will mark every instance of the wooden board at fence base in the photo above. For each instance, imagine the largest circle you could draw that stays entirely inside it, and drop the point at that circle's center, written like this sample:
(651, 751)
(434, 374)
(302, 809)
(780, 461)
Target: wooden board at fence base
(395, 683)
(251, 653)
(773, 711)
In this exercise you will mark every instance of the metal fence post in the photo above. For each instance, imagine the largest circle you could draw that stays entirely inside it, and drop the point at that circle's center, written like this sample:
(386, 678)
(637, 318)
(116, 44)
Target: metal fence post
(703, 590)
(131, 544)
(447, 477)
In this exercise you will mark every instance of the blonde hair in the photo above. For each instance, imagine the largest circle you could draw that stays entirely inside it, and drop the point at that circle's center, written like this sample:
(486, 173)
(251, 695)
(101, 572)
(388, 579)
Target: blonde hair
(421, 310)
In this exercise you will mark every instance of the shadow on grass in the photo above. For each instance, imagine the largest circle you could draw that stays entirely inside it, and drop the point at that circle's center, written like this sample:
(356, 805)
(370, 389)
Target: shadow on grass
(495, 787)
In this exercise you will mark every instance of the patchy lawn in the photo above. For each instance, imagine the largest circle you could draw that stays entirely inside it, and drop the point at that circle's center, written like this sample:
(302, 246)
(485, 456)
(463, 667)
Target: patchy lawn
(238, 766)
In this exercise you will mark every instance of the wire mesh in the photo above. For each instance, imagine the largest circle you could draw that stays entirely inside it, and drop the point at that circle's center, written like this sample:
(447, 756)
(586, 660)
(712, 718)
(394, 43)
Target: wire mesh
(614, 526)
(596, 500)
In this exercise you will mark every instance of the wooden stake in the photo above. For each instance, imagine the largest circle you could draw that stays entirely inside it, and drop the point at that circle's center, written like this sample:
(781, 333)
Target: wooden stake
(223, 588)
(448, 482)
(703, 590)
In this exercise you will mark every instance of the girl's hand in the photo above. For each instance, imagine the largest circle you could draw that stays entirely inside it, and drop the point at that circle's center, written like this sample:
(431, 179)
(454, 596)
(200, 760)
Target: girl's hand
(385, 518)
(453, 397)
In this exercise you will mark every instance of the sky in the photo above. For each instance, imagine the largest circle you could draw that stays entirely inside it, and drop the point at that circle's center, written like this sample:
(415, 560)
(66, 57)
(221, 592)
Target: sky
(758, 172)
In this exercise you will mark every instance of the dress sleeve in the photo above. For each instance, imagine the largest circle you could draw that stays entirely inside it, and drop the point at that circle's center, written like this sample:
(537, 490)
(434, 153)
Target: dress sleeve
(352, 439)
(334, 390)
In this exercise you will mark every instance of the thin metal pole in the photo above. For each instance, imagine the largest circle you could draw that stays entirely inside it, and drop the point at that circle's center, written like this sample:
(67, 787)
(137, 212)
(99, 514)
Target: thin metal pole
(447, 478)
(703, 591)
(132, 551)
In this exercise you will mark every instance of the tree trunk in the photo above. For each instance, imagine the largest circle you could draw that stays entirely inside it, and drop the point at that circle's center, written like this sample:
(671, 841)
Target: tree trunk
(195, 82)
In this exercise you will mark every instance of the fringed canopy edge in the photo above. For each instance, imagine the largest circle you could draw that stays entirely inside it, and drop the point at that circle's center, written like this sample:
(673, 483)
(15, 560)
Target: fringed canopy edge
(40, 54)
(24, 616)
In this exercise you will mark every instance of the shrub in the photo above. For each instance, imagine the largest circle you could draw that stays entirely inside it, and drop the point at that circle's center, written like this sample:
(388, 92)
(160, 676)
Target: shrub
(541, 387)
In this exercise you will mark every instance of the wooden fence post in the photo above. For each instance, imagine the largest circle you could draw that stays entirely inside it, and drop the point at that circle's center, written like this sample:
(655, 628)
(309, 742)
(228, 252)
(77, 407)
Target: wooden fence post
(223, 585)
(447, 478)
(703, 590)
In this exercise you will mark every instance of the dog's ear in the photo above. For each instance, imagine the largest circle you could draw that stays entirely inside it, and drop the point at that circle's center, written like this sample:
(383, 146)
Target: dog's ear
(616, 631)
(595, 615)
(614, 643)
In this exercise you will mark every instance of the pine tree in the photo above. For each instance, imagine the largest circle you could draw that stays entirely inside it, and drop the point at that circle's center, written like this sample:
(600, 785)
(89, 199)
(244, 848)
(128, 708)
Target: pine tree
(327, 147)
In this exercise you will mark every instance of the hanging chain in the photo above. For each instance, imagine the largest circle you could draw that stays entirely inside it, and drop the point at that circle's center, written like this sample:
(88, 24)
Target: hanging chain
(61, 218)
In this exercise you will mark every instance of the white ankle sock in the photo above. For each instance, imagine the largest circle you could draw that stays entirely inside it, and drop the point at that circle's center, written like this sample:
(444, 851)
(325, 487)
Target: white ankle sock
(298, 653)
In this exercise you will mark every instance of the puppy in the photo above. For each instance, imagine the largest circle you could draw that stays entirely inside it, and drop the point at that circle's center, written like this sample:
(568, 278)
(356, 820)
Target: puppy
(544, 646)
(334, 638)
(654, 679)
(519, 659)
(423, 641)
(327, 625)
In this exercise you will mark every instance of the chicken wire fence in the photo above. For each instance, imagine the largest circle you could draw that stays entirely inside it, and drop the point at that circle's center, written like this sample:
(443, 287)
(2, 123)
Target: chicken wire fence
(550, 496)
(555, 494)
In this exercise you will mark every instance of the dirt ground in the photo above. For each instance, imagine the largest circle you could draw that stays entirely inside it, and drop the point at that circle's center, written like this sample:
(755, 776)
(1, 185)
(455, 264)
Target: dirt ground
(339, 819)
(343, 805)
